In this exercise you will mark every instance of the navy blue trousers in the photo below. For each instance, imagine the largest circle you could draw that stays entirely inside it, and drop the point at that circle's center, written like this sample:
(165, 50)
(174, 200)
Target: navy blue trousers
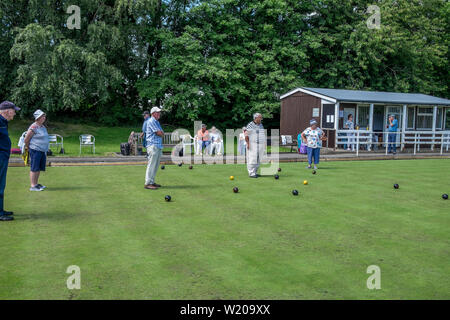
(3, 171)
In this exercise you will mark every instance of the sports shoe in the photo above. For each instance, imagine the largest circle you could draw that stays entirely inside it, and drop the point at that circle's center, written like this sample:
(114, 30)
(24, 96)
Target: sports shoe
(308, 167)
(157, 185)
(315, 167)
(254, 176)
(36, 188)
(150, 186)
(40, 186)
(6, 213)
(6, 218)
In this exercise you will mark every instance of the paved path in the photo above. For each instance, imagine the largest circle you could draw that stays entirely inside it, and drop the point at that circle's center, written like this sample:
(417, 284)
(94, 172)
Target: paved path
(283, 157)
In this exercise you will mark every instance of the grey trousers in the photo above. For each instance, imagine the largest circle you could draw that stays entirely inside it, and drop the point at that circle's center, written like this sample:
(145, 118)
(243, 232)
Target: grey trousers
(254, 156)
(154, 156)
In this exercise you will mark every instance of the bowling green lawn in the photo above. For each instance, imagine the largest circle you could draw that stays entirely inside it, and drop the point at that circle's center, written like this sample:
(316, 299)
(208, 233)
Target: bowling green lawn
(210, 243)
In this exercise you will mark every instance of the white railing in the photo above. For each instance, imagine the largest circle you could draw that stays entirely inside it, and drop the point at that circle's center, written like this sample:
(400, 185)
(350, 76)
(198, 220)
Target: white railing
(370, 139)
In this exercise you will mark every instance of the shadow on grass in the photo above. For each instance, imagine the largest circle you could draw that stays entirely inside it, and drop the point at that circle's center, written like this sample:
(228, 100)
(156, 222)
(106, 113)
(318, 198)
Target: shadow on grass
(55, 216)
(184, 187)
(69, 188)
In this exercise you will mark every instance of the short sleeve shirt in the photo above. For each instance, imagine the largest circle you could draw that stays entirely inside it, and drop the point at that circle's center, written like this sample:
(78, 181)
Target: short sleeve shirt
(203, 136)
(256, 131)
(313, 137)
(152, 138)
(40, 140)
(349, 125)
(394, 126)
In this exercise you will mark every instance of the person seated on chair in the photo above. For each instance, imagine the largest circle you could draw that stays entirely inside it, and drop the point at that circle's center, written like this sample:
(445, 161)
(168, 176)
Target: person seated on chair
(242, 144)
(203, 139)
(216, 141)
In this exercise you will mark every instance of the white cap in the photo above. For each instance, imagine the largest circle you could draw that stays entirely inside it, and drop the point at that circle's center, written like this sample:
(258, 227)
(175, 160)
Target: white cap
(38, 113)
(155, 109)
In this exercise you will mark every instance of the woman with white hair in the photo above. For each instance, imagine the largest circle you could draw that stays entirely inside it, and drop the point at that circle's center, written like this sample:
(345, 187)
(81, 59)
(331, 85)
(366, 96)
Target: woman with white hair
(37, 142)
(313, 137)
(216, 142)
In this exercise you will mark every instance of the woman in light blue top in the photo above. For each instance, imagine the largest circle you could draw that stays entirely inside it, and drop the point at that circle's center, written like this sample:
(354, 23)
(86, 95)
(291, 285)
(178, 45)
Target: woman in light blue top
(37, 143)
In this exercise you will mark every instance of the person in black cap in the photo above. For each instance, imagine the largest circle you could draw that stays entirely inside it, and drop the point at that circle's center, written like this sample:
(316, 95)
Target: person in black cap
(7, 112)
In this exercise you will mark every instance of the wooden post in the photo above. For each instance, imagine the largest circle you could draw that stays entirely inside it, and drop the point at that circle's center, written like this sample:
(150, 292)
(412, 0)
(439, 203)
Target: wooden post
(336, 124)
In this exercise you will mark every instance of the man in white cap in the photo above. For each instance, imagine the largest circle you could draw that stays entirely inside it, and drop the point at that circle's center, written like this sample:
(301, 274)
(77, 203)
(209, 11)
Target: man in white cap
(255, 139)
(154, 135)
(7, 112)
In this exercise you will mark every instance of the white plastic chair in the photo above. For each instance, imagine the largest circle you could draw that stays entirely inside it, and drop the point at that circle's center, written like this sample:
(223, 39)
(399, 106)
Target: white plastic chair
(217, 146)
(21, 143)
(187, 141)
(56, 141)
(87, 140)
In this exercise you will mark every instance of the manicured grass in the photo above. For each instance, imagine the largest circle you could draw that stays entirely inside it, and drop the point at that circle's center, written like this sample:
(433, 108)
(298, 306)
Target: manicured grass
(107, 142)
(210, 243)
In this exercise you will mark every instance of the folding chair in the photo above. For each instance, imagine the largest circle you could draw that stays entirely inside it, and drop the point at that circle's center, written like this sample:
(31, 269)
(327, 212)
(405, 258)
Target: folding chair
(87, 140)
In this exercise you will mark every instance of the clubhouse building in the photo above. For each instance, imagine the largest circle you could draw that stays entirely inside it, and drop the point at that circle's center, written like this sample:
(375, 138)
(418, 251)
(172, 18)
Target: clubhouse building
(423, 120)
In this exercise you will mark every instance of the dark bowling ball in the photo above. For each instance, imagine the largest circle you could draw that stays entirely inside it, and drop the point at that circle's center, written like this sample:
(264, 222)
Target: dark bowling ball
(314, 172)
(190, 167)
(396, 186)
(163, 167)
(235, 190)
(276, 176)
(180, 164)
(445, 196)
(279, 169)
(168, 198)
(295, 192)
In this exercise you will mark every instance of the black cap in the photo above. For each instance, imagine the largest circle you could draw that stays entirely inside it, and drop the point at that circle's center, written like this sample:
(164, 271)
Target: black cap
(8, 105)
(146, 113)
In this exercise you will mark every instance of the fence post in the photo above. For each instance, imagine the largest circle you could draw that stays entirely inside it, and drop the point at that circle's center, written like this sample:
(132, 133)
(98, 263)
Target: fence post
(386, 143)
(357, 143)
(415, 143)
(442, 143)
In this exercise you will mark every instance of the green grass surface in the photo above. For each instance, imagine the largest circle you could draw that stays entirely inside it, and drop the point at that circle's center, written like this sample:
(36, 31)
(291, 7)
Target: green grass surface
(209, 243)
(107, 142)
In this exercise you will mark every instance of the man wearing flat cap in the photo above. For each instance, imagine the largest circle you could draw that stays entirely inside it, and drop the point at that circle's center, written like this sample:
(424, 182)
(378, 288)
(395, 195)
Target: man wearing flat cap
(7, 112)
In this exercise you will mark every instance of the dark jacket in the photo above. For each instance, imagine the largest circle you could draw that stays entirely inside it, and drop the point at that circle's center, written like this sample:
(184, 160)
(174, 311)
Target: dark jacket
(5, 142)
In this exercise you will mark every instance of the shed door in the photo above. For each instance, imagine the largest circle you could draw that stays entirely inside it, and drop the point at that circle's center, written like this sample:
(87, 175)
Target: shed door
(328, 116)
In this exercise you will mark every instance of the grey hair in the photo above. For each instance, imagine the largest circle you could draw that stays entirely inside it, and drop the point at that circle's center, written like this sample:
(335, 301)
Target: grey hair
(203, 125)
(256, 115)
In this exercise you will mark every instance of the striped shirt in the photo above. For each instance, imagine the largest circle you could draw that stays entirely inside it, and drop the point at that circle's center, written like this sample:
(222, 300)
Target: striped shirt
(256, 132)
(150, 133)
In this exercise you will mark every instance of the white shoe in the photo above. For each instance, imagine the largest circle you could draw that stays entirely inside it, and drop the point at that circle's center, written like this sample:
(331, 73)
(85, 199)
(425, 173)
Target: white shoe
(36, 188)
(40, 186)
(315, 167)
